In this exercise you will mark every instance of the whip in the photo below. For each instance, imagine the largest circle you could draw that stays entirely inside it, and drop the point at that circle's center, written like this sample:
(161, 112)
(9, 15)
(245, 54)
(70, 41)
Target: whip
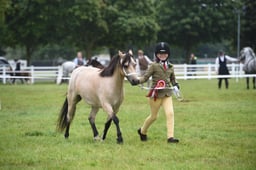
(175, 91)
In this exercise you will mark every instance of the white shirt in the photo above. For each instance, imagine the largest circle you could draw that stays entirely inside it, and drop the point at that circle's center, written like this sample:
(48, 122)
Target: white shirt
(76, 61)
(231, 59)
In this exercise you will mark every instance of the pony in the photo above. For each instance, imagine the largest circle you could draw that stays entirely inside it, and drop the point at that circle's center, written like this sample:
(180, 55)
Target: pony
(68, 66)
(100, 88)
(247, 57)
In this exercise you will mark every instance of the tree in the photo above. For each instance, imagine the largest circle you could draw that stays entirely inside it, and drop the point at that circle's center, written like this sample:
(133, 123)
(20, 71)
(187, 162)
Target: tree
(28, 24)
(188, 23)
(132, 23)
(3, 7)
(83, 25)
(248, 36)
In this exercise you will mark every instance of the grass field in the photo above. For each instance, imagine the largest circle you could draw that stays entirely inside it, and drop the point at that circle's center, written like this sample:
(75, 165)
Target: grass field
(216, 128)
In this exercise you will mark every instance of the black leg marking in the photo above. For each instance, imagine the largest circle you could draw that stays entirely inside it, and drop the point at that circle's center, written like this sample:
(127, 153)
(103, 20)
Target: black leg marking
(67, 131)
(254, 81)
(94, 129)
(247, 82)
(119, 134)
(107, 125)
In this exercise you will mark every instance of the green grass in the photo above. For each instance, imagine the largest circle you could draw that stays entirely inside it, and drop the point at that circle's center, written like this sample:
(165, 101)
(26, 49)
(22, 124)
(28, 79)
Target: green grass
(216, 128)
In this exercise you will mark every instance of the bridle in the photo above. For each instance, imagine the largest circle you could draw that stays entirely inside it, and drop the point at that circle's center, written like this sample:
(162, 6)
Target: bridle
(128, 74)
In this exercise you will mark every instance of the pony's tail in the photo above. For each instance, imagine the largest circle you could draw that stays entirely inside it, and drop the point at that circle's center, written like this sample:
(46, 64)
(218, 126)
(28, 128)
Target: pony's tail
(62, 121)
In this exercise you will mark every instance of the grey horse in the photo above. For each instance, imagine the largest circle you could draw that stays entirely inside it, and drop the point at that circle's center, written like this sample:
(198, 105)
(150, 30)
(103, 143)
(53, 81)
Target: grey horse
(248, 58)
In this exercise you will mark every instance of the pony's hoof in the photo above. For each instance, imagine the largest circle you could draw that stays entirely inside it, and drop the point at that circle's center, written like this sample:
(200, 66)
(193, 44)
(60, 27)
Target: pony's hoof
(120, 140)
(97, 138)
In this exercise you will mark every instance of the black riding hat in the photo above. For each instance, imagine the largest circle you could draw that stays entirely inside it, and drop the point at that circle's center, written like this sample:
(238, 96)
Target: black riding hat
(162, 48)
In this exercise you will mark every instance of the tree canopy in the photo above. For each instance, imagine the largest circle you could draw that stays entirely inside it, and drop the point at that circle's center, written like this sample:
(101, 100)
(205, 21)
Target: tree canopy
(91, 24)
(189, 23)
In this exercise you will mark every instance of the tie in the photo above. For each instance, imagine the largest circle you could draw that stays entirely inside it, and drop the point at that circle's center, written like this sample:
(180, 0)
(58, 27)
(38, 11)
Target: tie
(165, 67)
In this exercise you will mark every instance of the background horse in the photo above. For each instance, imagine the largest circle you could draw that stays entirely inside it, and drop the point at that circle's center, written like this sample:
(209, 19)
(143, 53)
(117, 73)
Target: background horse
(68, 66)
(100, 89)
(94, 63)
(247, 57)
(21, 75)
(65, 70)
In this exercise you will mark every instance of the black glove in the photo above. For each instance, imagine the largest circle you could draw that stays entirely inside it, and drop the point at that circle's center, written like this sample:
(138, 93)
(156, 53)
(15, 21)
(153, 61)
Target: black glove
(177, 85)
(135, 82)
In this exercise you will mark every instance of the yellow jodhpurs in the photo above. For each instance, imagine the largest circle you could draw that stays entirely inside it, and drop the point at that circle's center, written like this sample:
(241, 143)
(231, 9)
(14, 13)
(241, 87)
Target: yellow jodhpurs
(166, 102)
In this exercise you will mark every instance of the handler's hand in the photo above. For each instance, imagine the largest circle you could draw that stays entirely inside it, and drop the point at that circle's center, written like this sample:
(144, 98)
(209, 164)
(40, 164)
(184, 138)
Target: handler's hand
(177, 85)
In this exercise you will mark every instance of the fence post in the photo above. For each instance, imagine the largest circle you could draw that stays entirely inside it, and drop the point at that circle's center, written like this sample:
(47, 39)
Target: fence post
(209, 71)
(4, 75)
(32, 74)
(235, 69)
(185, 71)
(240, 69)
(60, 74)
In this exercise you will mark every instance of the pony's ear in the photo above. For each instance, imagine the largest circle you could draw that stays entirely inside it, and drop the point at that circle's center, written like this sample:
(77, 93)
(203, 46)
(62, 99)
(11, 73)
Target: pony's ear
(130, 52)
(121, 54)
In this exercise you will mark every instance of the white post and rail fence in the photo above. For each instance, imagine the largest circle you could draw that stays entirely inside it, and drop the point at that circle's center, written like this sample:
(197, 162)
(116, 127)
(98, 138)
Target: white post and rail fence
(182, 71)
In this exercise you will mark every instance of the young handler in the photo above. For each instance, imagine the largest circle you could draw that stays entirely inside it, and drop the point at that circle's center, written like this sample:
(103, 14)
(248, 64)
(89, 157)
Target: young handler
(163, 79)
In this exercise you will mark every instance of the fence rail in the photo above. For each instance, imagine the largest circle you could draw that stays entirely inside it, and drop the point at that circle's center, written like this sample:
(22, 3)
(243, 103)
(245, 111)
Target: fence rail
(182, 71)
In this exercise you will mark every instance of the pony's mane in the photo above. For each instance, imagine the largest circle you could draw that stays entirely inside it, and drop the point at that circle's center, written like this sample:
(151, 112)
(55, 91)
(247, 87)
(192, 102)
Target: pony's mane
(109, 70)
(248, 50)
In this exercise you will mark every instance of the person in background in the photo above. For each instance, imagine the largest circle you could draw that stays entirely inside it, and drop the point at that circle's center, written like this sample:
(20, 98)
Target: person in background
(221, 67)
(79, 60)
(193, 61)
(163, 78)
(142, 64)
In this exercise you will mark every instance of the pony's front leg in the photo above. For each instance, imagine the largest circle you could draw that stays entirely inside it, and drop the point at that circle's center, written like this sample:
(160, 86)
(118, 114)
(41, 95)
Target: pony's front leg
(66, 135)
(119, 134)
(254, 81)
(107, 125)
(91, 119)
(94, 129)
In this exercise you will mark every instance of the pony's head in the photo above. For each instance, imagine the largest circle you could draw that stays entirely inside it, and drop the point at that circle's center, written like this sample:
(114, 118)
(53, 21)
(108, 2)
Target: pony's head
(128, 64)
(246, 53)
(125, 63)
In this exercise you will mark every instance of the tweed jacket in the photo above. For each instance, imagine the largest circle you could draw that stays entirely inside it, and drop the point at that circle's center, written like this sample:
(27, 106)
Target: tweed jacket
(157, 71)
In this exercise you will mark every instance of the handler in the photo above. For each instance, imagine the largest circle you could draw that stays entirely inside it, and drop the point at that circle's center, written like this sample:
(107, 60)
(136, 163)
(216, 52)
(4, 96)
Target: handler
(221, 66)
(163, 78)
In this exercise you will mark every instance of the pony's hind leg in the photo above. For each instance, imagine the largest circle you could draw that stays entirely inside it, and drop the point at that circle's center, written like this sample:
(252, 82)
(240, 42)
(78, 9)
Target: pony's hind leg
(91, 119)
(247, 82)
(71, 113)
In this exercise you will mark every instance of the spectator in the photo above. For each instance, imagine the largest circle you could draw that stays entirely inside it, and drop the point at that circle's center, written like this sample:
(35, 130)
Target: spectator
(142, 64)
(221, 67)
(193, 61)
(79, 60)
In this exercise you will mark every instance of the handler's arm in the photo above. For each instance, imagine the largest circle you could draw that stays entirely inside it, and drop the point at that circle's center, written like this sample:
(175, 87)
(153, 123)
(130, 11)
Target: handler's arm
(147, 75)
